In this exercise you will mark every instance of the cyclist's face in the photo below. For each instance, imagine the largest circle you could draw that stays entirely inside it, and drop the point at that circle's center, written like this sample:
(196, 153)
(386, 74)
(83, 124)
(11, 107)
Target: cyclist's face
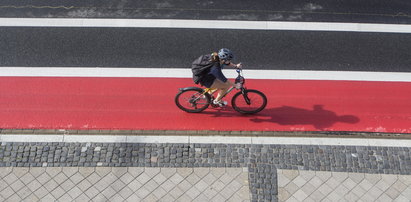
(227, 62)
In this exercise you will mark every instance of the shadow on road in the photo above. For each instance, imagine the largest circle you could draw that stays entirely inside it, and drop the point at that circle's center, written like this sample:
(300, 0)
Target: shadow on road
(318, 117)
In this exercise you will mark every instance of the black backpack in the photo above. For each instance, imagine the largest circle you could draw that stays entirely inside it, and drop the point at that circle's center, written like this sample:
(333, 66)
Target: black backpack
(201, 67)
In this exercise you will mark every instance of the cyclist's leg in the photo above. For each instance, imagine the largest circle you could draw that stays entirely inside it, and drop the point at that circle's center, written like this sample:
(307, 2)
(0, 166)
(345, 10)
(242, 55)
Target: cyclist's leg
(222, 87)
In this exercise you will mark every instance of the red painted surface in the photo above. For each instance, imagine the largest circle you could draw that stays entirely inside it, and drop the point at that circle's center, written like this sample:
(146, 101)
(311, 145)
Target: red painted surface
(148, 104)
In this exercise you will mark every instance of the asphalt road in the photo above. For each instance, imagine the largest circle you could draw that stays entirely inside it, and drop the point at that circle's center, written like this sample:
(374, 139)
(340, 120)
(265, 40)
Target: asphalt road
(177, 48)
(370, 11)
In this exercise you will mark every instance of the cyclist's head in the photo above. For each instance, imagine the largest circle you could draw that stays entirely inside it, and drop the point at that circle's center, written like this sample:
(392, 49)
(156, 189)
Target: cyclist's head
(225, 54)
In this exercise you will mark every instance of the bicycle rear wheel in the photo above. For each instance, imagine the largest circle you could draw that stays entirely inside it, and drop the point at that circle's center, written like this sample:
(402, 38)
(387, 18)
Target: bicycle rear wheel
(192, 100)
(249, 101)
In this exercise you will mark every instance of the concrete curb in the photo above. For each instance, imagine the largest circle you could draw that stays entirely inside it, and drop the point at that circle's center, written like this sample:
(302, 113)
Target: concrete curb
(336, 134)
(205, 137)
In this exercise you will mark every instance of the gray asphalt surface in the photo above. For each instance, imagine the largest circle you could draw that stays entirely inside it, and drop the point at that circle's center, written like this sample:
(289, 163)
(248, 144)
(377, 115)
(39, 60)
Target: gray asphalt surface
(177, 48)
(371, 11)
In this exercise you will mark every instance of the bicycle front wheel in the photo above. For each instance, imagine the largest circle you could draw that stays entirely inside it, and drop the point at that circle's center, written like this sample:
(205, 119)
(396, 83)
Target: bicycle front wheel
(249, 101)
(192, 100)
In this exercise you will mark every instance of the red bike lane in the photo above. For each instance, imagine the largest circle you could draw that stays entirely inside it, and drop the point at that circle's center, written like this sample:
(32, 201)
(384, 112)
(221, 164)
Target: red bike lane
(148, 104)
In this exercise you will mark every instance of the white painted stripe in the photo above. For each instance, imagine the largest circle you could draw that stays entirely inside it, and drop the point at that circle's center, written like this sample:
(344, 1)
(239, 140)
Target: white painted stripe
(186, 73)
(94, 138)
(204, 24)
(158, 139)
(220, 140)
(31, 138)
(206, 140)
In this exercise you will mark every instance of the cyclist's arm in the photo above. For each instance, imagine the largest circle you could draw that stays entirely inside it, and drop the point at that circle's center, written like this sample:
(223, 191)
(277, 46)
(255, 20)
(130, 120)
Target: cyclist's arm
(237, 66)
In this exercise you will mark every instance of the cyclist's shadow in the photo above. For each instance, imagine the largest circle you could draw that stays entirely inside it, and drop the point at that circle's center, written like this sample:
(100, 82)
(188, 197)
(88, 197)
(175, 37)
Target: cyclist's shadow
(286, 115)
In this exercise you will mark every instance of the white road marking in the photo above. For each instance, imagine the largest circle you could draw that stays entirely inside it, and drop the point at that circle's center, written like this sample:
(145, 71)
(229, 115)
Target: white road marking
(206, 140)
(204, 24)
(186, 73)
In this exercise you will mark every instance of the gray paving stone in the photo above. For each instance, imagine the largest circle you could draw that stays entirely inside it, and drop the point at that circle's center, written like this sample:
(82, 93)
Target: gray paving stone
(24, 192)
(193, 193)
(400, 184)
(50, 185)
(17, 185)
(10, 178)
(41, 192)
(192, 179)
(308, 188)
(99, 198)
(347, 191)
(159, 193)
(82, 197)
(151, 172)
(151, 185)
(58, 192)
(291, 188)
(159, 178)
(125, 192)
(133, 197)
(349, 183)
(53, 171)
(91, 192)
(48, 197)
(76, 178)
(86, 171)
(102, 171)
(143, 192)
(74, 192)
(84, 185)
(117, 185)
(203, 198)
(324, 189)
(176, 192)
(119, 171)
(33, 185)
(359, 191)
(392, 193)
(7, 192)
(20, 172)
(218, 197)
(227, 192)
(265, 159)
(93, 178)
(407, 193)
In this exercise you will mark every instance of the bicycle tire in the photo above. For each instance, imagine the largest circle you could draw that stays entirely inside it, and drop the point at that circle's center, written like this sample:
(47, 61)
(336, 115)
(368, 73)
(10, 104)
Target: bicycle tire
(206, 98)
(239, 98)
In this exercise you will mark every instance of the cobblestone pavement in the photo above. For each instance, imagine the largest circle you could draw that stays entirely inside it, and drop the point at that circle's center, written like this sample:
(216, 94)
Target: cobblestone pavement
(260, 162)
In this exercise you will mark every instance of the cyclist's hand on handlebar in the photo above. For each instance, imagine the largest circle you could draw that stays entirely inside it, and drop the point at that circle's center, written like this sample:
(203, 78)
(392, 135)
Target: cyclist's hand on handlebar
(239, 66)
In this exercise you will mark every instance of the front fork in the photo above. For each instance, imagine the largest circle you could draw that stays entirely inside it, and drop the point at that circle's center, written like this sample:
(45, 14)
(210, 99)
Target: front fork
(245, 95)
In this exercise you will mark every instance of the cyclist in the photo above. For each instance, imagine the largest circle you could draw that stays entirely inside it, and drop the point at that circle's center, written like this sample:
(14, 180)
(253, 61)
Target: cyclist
(215, 78)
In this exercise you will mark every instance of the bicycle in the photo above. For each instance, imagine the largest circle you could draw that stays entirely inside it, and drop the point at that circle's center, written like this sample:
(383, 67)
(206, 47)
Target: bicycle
(246, 101)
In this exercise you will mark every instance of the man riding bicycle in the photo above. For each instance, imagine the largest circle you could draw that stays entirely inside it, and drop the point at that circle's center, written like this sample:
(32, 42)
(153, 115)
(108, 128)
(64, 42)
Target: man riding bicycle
(215, 78)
